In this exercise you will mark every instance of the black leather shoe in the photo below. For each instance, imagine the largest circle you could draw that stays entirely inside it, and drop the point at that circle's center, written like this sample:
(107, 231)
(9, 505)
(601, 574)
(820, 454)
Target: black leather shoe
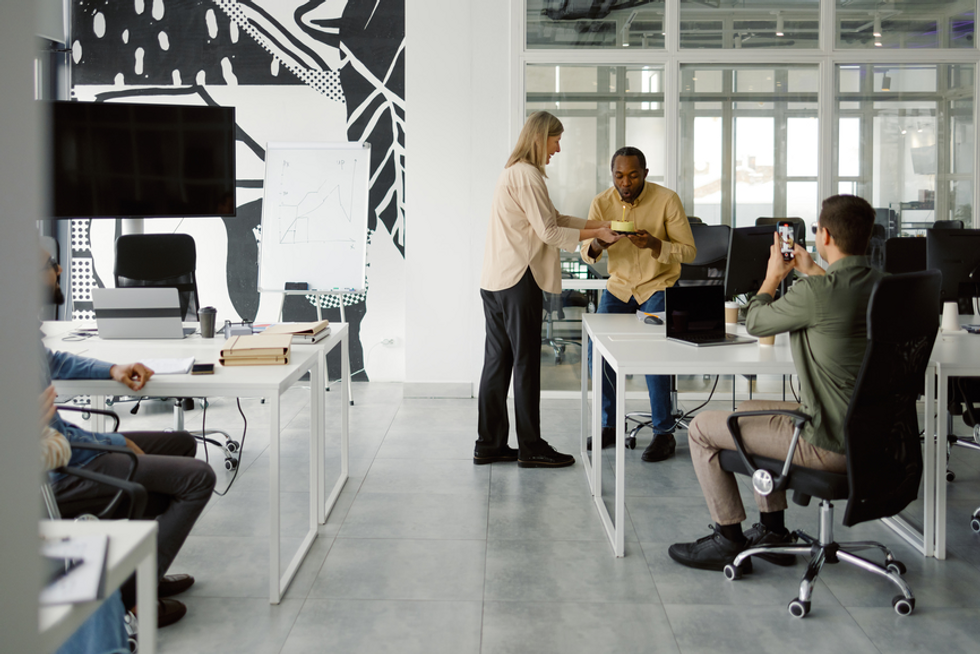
(662, 447)
(172, 585)
(169, 611)
(608, 438)
(481, 457)
(547, 457)
(759, 535)
(712, 552)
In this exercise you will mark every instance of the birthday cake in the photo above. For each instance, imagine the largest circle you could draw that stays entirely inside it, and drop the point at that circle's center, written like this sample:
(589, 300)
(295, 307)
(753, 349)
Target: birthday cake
(622, 226)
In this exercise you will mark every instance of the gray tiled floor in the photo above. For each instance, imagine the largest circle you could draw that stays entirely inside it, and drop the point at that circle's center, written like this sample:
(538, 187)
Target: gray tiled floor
(427, 553)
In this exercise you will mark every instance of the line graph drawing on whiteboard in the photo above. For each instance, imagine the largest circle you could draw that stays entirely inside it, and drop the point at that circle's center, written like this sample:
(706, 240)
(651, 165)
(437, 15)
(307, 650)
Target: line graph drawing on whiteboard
(312, 216)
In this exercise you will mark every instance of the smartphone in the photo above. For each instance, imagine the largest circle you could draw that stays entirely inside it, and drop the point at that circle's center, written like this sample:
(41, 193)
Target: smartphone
(202, 369)
(785, 229)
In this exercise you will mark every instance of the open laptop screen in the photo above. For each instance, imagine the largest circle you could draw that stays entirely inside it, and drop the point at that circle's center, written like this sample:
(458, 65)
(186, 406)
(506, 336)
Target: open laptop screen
(695, 310)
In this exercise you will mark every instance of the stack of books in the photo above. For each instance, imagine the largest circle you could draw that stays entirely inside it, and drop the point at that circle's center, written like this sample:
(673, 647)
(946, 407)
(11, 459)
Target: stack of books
(302, 332)
(256, 350)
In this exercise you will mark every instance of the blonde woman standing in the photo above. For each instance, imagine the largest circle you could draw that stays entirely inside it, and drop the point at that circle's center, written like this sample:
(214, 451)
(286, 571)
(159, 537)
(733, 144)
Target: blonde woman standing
(520, 261)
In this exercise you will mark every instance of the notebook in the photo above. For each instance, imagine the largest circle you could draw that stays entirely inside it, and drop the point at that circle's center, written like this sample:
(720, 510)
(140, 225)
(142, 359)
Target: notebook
(138, 313)
(696, 316)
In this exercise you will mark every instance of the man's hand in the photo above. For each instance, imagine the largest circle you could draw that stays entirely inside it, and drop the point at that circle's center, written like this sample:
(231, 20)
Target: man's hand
(47, 406)
(645, 240)
(803, 262)
(133, 375)
(134, 447)
(776, 269)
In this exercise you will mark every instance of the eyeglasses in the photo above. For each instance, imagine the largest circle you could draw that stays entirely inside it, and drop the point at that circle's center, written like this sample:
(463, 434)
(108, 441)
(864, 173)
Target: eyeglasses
(814, 227)
(51, 264)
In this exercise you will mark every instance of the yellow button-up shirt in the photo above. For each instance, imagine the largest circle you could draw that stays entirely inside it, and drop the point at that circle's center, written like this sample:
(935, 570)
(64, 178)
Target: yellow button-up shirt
(525, 231)
(635, 272)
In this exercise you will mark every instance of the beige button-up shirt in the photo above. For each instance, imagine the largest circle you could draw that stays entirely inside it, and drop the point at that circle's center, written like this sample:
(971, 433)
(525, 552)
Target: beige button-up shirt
(634, 272)
(525, 231)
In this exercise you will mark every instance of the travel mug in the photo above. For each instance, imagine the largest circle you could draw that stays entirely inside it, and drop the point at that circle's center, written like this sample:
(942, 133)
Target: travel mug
(207, 317)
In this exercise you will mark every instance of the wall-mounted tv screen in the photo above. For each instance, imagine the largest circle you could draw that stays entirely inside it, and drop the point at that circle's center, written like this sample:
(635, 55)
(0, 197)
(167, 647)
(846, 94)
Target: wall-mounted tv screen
(121, 160)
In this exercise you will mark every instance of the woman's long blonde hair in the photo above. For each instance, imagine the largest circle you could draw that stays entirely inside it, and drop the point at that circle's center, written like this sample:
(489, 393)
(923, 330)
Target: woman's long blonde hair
(532, 144)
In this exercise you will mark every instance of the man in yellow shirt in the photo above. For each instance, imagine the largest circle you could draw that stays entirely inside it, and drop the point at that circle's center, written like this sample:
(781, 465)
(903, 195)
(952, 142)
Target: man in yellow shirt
(640, 268)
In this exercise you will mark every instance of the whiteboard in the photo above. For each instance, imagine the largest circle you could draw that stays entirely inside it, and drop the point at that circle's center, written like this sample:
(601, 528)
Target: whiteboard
(314, 216)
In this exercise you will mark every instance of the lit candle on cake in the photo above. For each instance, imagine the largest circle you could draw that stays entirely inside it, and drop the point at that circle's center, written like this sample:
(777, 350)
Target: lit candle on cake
(622, 225)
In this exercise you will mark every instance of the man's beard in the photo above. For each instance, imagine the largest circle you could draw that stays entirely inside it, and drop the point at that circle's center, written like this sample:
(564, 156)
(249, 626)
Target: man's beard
(57, 298)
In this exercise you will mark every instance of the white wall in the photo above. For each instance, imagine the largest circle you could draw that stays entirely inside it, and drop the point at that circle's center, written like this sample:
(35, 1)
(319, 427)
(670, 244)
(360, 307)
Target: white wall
(457, 88)
(20, 468)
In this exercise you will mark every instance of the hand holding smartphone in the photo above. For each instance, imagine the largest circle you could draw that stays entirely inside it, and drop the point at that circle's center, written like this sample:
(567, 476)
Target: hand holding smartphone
(786, 241)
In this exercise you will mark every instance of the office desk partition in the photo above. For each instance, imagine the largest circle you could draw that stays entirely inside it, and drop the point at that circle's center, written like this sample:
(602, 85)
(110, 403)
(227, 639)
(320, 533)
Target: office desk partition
(132, 546)
(269, 382)
(632, 347)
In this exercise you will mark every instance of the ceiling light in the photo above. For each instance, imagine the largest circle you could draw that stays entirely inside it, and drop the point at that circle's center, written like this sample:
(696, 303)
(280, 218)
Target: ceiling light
(886, 83)
(877, 28)
(779, 25)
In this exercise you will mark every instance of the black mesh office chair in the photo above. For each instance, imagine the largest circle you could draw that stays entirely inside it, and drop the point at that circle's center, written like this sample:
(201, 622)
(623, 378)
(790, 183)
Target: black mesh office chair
(884, 457)
(128, 494)
(905, 254)
(169, 261)
(707, 269)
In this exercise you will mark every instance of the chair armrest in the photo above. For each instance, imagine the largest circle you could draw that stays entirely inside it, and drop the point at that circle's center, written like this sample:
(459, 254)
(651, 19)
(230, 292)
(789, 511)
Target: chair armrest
(762, 480)
(135, 492)
(101, 412)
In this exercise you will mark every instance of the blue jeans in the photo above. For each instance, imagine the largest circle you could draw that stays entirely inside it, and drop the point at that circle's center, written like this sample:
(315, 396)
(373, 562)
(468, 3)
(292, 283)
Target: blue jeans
(658, 386)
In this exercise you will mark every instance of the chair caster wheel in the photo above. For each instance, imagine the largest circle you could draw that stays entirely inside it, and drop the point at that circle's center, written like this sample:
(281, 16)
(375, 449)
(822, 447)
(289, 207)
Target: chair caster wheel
(799, 609)
(950, 475)
(733, 572)
(231, 464)
(232, 446)
(903, 605)
(187, 404)
(896, 566)
(975, 525)
(631, 442)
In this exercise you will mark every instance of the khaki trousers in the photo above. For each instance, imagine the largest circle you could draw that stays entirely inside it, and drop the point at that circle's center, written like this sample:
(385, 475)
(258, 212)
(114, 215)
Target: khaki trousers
(764, 435)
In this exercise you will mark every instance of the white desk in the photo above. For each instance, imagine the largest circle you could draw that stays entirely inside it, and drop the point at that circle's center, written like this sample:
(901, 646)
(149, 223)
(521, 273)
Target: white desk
(632, 347)
(955, 355)
(132, 546)
(269, 382)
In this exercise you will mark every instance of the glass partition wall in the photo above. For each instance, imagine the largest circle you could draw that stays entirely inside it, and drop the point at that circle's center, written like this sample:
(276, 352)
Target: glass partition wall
(751, 109)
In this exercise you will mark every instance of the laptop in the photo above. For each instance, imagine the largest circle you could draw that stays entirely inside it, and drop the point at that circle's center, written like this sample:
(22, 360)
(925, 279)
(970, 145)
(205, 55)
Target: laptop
(138, 313)
(696, 316)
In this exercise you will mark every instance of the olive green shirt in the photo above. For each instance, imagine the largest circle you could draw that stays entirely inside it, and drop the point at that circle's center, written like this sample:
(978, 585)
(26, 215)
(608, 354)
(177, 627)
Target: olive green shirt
(826, 316)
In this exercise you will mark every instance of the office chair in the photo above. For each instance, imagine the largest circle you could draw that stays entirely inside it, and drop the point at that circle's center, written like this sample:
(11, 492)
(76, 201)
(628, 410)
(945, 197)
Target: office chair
(554, 311)
(881, 435)
(905, 254)
(134, 494)
(948, 224)
(707, 269)
(170, 261)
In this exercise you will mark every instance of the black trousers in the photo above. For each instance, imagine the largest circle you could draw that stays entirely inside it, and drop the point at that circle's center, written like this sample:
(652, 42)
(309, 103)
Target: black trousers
(513, 347)
(178, 487)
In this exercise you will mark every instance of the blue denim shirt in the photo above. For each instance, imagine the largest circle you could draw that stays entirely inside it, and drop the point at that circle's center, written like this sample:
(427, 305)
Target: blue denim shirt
(62, 365)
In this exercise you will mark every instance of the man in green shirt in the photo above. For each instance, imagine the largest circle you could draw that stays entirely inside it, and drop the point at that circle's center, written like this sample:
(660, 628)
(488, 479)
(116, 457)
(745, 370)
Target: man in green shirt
(825, 315)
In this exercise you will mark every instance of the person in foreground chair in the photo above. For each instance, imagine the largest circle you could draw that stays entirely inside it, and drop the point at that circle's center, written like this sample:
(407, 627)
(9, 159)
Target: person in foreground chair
(826, 316)
(178, 484)
(641, 266)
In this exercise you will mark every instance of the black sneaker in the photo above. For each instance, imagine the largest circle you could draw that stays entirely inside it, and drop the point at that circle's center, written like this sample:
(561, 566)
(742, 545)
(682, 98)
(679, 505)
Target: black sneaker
(660, 449)
(484, 456)
(545, 457)
(608, 438)
(712, 552)
(759, 535)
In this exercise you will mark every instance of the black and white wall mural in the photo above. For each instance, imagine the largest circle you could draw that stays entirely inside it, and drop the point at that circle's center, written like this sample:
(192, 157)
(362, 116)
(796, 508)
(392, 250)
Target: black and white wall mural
(295, 70)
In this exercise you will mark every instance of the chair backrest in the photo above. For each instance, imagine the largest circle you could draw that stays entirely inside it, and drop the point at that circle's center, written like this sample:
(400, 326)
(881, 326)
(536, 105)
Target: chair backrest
(905, 254)
(948, 224)
(708, 267)
(160, 260)
(884, 456)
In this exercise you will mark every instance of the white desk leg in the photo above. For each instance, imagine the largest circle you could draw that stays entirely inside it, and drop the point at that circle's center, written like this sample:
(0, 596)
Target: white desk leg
(275, 590)
(146, 600)
(316, 443)
(584, 426)
(940, 450)
(597, 362)
(620, 544)
(98, 420)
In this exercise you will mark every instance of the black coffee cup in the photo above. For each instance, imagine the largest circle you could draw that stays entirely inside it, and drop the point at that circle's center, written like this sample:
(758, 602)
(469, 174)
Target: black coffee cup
(207, 317)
